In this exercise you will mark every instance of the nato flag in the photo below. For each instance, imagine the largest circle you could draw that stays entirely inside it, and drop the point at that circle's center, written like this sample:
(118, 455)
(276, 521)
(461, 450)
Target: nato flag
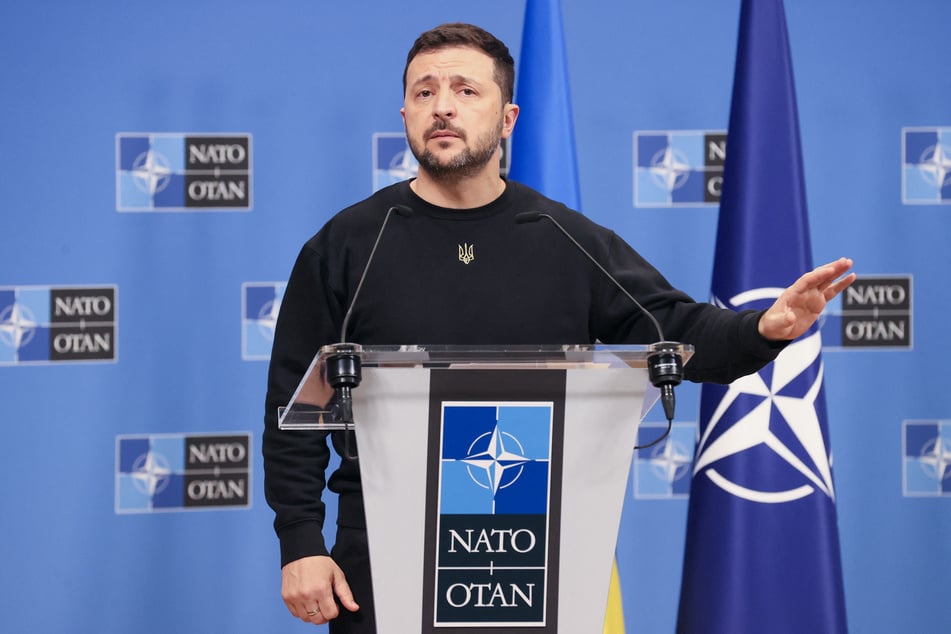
(762, 548)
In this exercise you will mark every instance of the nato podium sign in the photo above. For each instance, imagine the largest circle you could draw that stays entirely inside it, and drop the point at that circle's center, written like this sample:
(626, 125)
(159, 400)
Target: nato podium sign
(493, 480)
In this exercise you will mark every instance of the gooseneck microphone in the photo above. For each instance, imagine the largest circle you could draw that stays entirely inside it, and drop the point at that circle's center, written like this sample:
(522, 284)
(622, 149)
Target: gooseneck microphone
(665, 367)
(344, 370)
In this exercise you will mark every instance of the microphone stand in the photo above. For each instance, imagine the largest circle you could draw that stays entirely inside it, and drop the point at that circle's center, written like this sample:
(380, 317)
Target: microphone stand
(344, 368)
(665, 367)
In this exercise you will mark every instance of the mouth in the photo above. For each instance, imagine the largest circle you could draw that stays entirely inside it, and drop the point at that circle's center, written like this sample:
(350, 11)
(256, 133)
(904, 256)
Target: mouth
(442, 132)
(443, 135)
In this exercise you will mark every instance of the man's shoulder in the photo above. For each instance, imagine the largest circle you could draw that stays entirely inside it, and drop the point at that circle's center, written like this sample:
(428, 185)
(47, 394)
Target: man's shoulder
(363, 214)
(532, 200)
(376, 204)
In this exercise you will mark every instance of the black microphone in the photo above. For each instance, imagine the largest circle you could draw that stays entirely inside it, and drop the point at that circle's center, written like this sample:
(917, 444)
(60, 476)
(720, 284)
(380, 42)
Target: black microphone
(402, 210)
(664, 361)
(344, 370)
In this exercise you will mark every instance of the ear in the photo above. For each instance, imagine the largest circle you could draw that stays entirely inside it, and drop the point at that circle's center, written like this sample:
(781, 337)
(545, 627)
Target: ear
(509, 115)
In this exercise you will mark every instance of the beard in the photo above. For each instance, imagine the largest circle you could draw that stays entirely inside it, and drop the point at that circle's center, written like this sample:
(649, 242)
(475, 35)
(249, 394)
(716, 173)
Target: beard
(466, 163)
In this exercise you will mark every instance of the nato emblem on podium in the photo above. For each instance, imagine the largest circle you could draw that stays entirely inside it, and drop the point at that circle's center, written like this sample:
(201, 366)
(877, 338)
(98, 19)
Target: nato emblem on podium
(492, 512)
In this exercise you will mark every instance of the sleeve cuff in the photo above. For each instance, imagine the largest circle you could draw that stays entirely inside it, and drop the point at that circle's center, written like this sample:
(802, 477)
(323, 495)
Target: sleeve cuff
(756, 344)
(303, 539)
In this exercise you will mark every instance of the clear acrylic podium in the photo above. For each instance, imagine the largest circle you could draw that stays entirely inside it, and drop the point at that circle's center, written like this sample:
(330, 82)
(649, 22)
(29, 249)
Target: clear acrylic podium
(493, 479)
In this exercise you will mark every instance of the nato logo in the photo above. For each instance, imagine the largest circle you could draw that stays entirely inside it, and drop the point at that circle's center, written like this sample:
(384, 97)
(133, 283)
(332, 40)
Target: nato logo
(177, 472)
(183, 172)
(662, 472)
(678, 168)
(926, 166)
(926, 458)
(43, 324)
(393, 161)
(260, 304)
(874, 313)
(493, 506)
(779, 415)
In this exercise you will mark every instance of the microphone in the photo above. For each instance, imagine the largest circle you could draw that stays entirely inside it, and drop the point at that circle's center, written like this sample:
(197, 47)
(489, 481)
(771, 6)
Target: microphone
(344, 371)
(664, 361)
(402, 210)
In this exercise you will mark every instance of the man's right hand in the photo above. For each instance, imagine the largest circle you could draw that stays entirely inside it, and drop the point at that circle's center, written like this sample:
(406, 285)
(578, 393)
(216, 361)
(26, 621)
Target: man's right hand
(308, 587)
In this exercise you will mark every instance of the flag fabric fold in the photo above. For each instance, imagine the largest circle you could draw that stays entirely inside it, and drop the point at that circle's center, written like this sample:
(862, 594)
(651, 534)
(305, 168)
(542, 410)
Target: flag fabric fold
(762, 548)
(543, 143)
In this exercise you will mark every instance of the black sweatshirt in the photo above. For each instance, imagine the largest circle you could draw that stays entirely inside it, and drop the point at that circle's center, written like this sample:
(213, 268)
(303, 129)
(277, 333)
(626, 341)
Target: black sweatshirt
(524, 284)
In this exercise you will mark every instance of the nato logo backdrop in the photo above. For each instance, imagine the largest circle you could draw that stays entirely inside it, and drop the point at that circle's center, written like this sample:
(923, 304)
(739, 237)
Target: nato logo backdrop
(176, 472)
(926, 458)
(663, 471)
(182, 172)
(43, 324)
(492, 543)
(260, 304)
(873, 313)
(926, 166)
(678, 167)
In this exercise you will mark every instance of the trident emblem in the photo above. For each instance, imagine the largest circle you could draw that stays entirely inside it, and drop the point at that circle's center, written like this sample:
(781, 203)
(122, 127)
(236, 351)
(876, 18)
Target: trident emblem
(466, 254)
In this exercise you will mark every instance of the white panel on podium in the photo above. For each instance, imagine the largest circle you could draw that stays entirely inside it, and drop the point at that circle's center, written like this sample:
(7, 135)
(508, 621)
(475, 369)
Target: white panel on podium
(429, 573)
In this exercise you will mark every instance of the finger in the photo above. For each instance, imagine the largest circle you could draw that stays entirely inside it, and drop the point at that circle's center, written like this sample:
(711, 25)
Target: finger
(316, 616)
(827, 274)
(834, 289)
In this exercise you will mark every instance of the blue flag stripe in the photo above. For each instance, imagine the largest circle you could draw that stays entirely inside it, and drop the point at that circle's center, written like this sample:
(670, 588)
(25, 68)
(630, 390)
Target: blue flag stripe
(543, 143)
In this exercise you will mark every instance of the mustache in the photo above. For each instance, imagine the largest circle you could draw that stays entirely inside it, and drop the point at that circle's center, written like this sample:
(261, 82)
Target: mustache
(441, 125)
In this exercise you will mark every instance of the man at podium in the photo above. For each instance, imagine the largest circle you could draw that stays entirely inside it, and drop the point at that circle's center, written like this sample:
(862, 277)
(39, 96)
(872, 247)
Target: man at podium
(454, 267)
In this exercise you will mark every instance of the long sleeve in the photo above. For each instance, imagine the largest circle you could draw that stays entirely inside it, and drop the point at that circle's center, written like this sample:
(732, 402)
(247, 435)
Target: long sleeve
(727, 345)
(296, 461)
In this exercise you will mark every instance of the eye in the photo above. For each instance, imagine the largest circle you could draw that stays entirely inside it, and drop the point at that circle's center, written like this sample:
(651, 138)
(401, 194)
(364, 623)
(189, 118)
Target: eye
(469, 92)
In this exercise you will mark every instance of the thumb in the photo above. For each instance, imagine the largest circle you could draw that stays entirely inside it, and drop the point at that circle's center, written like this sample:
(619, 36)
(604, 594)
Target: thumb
(343, 592)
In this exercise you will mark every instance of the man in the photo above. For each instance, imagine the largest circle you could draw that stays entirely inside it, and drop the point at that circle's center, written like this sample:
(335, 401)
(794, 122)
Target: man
(517, 284)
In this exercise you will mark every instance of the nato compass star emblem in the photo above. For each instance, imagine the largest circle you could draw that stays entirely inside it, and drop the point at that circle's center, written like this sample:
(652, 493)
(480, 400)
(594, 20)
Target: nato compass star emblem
(926, 166)
(935, 458)
(670, 168)
(495, 460)
(151, 172)
(926, 458)
(670, 461)
(773, 415)
(935, 165)
(150, 473)
(403, 165)
(17, 326)
(267, 318)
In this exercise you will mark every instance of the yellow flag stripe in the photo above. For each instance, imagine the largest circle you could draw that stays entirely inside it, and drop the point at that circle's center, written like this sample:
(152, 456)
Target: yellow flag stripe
(614, 617)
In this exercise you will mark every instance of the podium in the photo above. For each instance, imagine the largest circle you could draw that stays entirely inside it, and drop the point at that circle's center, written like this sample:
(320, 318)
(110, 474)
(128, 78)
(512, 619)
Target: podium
(493, 479)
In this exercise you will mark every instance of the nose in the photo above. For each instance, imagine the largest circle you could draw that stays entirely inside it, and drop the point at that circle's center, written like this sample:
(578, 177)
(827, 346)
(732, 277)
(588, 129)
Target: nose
(444, 106)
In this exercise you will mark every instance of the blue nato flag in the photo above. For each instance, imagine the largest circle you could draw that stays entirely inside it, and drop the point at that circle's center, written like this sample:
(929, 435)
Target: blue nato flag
(543, 143)
(762, 546)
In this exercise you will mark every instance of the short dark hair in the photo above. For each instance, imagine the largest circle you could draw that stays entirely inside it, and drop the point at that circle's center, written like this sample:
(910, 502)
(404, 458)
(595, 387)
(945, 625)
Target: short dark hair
(461, 34)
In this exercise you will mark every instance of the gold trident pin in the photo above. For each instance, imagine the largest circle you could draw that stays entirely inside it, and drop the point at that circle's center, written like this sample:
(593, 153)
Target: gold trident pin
(466, 253)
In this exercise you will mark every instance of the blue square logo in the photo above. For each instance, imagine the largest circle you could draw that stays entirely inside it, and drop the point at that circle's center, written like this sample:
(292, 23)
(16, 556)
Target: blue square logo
(260, 305)
(926, 166)
(926, 458)
(678, 168)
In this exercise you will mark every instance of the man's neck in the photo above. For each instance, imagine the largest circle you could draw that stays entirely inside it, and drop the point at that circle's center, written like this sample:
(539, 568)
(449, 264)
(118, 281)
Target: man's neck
(464, 193)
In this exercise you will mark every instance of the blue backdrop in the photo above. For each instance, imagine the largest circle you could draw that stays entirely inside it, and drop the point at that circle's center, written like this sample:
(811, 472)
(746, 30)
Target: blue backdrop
(162, 164)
